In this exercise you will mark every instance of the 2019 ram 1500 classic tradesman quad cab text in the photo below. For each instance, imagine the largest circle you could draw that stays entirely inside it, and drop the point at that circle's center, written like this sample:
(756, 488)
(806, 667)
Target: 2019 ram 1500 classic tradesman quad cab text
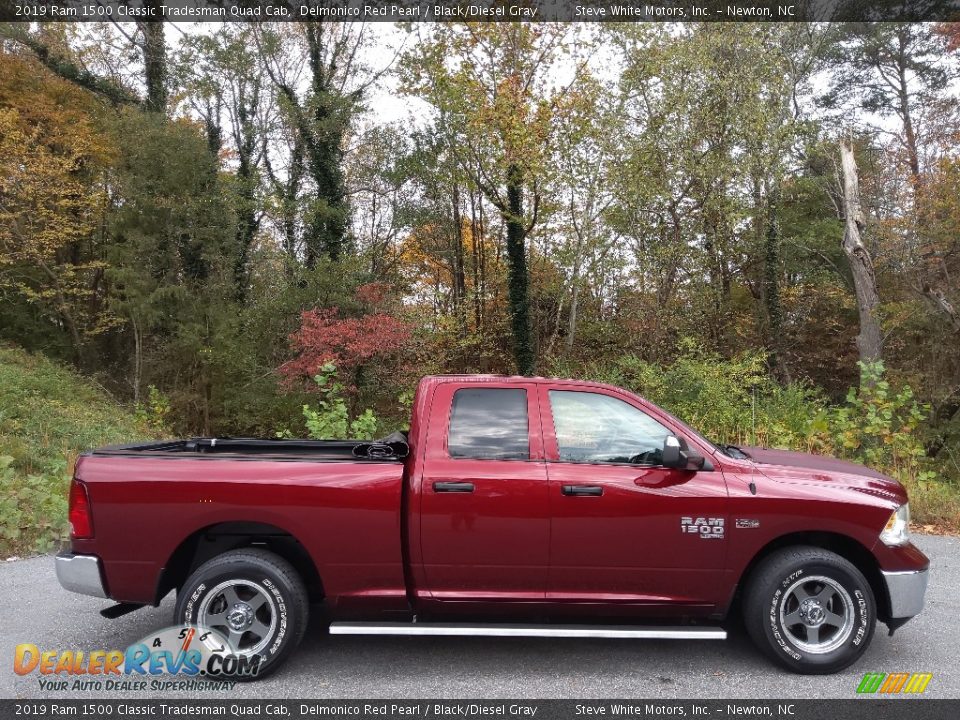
(513, 506)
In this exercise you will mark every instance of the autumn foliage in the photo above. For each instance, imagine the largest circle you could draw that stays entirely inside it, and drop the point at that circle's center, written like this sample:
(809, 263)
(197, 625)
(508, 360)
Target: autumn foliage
(51, 198)
(951, 30)
(350, 343)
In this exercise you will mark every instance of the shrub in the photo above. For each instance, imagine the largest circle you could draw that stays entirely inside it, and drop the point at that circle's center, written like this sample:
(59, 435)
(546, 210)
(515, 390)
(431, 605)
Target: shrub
(880, 426)
(33, 507)
(351, 344)
(154, 413)
(729, 400)
(331, 419)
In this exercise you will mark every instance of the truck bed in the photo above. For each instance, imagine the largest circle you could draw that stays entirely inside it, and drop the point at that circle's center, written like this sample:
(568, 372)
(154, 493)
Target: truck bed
(154, 501)
(393, 447)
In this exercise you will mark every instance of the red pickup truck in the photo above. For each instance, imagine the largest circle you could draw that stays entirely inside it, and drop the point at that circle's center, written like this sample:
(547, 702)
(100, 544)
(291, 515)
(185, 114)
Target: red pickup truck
(512, 507)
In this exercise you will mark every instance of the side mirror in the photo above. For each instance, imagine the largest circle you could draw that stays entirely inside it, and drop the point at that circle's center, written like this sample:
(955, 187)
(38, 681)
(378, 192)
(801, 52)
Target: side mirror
(677, 454)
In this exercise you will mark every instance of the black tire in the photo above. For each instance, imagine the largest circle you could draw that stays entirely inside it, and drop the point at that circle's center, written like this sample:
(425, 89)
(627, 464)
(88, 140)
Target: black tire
(820, 591)
(256, 578)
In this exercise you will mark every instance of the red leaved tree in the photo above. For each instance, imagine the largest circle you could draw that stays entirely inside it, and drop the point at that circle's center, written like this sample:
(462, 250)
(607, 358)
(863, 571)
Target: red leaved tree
(353, 344)
(951, 30)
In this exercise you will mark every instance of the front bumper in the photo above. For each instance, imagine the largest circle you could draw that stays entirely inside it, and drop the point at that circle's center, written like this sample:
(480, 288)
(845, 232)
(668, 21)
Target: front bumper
(906, 591)
(81, 574)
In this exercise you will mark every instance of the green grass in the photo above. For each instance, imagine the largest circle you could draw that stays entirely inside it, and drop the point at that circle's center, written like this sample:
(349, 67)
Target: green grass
(48, 415)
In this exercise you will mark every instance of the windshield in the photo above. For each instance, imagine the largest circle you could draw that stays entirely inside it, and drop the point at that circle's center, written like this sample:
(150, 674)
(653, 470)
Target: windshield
(729, 450)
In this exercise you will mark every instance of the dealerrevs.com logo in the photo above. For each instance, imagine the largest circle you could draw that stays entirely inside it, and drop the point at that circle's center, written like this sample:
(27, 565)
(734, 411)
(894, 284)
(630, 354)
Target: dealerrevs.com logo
(177, 658)
(894, 683)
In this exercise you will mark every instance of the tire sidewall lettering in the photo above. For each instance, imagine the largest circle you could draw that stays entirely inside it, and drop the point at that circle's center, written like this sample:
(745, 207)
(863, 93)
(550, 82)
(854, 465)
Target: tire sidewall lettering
(198, 592)
(281, 605)
(775, 631)
(863, 612)
(791, 578)
(276, 646)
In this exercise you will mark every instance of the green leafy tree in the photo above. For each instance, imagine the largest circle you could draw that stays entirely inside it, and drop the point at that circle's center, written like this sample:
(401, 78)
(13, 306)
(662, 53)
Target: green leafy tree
(171, 265)
(319, 107)
(227, 87)
(891, 69)
(489, 83)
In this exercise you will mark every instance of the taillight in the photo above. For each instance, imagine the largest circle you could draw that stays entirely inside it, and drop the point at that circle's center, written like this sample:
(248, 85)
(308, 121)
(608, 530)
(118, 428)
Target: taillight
(81, 521)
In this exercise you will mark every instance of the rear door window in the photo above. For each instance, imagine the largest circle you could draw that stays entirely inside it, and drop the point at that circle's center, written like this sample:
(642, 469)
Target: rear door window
(489, 424)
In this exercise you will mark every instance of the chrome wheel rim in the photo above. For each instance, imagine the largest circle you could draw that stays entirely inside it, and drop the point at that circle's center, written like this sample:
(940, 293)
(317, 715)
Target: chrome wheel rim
(243, 612)
(817, 614)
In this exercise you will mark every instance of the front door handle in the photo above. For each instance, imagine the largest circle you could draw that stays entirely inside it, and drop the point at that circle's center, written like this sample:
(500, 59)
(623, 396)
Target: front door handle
(453, 487)
(581, 490)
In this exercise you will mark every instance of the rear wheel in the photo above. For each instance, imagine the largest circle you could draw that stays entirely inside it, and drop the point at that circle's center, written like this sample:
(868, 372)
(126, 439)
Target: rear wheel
(254, 599)
(809, 609)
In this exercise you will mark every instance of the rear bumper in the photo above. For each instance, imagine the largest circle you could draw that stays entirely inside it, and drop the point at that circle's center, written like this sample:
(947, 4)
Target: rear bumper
(81, 574)
(906, 590)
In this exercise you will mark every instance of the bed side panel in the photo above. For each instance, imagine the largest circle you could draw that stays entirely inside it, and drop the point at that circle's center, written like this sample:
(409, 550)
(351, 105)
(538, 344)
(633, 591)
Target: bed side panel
(347, 516)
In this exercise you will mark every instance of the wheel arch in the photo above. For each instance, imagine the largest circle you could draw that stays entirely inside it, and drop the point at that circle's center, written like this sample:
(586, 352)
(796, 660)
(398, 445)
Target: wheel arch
(843, 545)
(213, 540)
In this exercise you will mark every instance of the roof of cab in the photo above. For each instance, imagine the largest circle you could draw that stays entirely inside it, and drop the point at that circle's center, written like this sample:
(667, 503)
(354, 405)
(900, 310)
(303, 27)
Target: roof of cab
(436, 379)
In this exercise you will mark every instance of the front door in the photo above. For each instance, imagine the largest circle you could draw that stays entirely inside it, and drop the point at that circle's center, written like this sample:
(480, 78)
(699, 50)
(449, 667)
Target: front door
(625, 528)
(484, 523)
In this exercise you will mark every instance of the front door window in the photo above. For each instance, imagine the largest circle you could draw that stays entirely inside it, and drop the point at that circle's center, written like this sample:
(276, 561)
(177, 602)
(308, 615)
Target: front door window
(595, 428)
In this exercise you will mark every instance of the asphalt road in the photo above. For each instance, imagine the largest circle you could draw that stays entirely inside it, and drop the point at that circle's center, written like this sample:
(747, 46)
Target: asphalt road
(33, 608)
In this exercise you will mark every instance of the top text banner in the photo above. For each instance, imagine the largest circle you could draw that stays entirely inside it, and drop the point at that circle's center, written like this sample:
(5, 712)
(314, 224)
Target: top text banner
(478, 10)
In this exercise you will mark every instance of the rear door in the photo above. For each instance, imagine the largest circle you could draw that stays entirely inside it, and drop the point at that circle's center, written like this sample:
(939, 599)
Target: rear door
(621, 522)
(484, 522)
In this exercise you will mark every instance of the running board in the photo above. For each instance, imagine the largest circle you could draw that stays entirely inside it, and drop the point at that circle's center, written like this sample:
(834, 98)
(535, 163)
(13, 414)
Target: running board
(546, 631)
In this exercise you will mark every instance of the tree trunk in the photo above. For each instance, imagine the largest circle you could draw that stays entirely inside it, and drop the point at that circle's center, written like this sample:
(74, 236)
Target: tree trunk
(63, 310)
(913, 154)
(771, 291)
(329, 115)
(213, 130)
(555, 333)
(207, 396)
(459, 273)
(869, 341)
(154, 63)
(482, 261)
(291, 201)
(940, 302)
(246, 230)
(137, 359)
(519, 299)
(247, 220)
(475, 257)
(574, 307)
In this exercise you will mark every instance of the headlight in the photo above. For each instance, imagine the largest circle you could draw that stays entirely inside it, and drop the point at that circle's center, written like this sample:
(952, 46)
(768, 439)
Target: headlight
(897, 529)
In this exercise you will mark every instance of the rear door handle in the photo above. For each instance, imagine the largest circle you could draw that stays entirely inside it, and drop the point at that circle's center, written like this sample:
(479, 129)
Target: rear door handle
(453, 487)
(578, 490)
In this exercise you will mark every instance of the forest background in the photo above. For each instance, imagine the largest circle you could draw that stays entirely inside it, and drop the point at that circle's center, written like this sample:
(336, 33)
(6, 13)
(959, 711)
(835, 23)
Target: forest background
(230, 229)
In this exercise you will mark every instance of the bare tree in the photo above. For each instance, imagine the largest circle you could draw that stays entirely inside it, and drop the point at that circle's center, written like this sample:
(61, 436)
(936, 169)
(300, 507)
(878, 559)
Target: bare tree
(869, 341)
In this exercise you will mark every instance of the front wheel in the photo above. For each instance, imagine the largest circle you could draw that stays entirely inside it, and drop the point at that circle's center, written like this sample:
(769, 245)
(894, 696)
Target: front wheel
(254, 599)
(809, 609)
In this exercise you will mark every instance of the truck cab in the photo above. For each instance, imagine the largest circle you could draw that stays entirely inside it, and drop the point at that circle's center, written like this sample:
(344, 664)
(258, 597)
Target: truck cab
(539, 491)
